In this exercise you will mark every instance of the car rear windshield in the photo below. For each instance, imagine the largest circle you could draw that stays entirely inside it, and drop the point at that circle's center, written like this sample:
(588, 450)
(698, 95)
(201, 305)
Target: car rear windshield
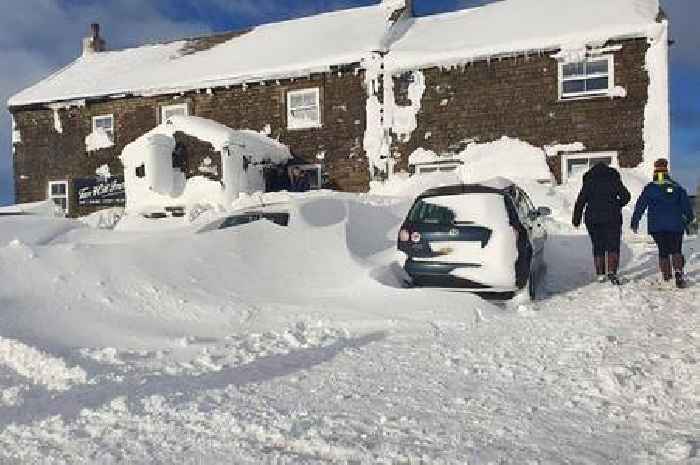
(482, 209)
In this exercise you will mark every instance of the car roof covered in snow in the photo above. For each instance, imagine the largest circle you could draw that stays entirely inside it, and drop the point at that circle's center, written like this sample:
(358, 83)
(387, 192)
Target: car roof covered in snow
(458, 189)
(314, 44)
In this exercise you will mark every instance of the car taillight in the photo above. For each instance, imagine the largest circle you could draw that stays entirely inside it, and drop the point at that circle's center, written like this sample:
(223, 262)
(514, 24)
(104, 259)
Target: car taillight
(415, 236)
(404, 235)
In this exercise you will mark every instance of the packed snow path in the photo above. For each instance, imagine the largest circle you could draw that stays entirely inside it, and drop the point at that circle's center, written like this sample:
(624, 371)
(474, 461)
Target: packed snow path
(226, 360)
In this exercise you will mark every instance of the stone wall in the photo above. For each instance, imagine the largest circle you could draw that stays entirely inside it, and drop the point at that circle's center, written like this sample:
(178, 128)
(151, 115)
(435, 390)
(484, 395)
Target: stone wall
(519, 98)
(483, 101)
(46, 155)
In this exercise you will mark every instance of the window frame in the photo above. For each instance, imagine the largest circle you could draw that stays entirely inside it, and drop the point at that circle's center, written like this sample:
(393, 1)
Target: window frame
(438, 167)
(565, 97)
(307, 168)
(293, 126)
(111, 133)
(173, 106)
(565, 158)
(66, 196)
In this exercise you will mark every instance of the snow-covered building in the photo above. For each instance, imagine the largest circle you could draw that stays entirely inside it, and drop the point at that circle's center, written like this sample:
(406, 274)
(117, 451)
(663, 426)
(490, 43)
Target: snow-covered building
(354, 93)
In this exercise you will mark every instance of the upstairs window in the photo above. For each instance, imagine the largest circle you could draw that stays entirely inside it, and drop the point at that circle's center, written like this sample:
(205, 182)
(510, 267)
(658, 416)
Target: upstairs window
(58, 192)
(106, 123)
(591, 77)
(168, 111)
(304, 109)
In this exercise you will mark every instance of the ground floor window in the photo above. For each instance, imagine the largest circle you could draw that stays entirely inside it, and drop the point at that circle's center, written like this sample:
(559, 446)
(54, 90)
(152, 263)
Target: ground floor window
(58, 192)
(312, 174)
(428, 168)
(575, 165)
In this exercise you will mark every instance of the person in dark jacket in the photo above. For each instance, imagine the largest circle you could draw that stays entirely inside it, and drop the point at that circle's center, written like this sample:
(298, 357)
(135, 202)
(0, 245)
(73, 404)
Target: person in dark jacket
(603, 196)
(298, 182)
(669, 215)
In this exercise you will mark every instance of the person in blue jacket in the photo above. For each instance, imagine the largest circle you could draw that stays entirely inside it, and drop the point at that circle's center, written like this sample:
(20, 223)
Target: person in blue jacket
(669, 215)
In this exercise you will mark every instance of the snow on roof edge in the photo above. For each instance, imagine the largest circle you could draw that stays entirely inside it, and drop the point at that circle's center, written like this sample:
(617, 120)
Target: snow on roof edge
(399, 61)
(396, 61)
(288, 73)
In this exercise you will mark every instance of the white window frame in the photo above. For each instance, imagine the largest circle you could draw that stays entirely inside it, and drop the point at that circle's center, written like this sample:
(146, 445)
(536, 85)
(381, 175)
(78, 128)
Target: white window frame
(308, 168)
(176, 106)
(420, 167)
(565, 158)
(51, 196)
(110, 131)
(588, 94)
(292, 124)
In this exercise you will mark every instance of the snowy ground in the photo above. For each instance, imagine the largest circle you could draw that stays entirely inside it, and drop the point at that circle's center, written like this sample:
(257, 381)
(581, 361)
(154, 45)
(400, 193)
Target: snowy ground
(298, 346)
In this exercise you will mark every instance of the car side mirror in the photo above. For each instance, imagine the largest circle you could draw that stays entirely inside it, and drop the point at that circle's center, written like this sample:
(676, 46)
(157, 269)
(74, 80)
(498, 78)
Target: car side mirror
(544, 211)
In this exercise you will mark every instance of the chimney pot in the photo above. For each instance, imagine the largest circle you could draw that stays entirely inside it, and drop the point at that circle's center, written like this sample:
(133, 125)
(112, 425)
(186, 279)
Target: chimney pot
(94, 43)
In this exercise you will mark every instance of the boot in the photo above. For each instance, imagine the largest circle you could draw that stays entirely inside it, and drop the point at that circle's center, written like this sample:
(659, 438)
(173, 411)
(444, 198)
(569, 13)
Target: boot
(599, 268)
(665, 267)
(613, 264)
(678, 265)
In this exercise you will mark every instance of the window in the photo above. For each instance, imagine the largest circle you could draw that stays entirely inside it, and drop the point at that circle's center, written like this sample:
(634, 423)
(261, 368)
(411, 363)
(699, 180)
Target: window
(168, 111)
(593, 76)
(575, 165)
(312, 173)
(304, 109)
(429, 168)
(58, 192)
(104, 122)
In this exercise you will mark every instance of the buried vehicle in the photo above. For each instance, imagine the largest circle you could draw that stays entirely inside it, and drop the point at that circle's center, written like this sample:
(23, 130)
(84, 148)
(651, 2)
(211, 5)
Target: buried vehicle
(486, 238)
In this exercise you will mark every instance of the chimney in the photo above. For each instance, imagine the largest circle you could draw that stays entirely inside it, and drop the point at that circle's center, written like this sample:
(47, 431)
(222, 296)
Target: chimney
(94, 43)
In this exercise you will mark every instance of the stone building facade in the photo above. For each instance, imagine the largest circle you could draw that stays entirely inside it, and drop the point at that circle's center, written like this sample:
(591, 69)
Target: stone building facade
(46, 155)
(520, 95)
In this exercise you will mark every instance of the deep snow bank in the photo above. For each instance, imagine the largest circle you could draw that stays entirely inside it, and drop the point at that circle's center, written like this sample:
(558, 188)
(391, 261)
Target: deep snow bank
(151, 287)
(509, 158)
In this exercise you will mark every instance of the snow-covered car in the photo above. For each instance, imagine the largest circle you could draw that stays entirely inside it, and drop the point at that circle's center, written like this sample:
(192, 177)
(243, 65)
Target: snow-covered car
(485, 238)
(274, 214)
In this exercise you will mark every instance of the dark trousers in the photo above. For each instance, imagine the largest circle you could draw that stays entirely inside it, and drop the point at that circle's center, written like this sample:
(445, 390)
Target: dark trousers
(669, 243)
(605, 238)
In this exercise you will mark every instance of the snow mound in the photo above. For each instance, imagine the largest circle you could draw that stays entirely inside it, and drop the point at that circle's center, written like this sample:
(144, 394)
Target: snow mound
(39, 367)
(505, 157)
(152, 183)
(104, 219)
(33, 230)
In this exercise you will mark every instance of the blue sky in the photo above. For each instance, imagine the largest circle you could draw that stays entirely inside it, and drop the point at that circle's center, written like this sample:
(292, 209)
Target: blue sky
(39, 36)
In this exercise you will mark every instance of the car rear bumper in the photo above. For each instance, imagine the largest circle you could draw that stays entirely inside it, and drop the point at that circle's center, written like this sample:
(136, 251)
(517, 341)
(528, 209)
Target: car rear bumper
(436, 274)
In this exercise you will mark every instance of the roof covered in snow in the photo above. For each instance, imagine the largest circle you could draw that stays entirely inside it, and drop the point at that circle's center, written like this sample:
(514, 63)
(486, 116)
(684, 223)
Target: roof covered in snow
(285, 49)
(314, 44)
(512, 26)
